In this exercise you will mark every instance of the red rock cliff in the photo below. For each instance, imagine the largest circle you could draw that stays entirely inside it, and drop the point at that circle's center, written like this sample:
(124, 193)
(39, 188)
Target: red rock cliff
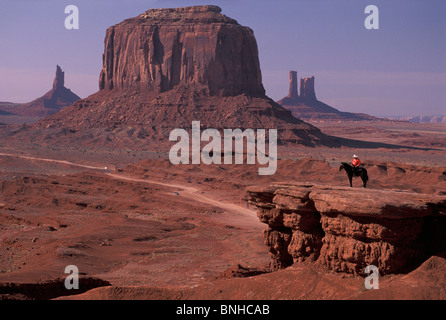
(345, 229)
(163, 48)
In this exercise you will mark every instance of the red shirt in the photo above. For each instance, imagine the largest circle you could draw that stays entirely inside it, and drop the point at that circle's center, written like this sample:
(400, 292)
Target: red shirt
(356, 162)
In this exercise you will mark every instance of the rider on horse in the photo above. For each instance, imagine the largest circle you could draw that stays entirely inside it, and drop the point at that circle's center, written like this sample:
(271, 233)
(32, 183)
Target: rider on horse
(355, 169)
(356, 163)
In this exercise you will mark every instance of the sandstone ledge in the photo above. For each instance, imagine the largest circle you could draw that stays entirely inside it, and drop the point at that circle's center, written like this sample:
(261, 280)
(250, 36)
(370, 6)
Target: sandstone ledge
(346, 229)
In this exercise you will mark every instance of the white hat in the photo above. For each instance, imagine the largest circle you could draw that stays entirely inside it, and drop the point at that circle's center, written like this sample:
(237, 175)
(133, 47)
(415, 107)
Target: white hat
(355, 156)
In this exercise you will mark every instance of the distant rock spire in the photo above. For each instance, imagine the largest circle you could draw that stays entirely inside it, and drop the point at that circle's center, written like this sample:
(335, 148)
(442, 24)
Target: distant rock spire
(307, 106)
(307, 88)
(293, 85)
(59, 78)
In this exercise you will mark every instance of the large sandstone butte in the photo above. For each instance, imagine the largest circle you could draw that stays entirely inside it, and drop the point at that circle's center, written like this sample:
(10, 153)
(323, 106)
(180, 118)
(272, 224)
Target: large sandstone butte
(346, 229)
(168, 67)
(306, 106)
(51, 102)
(193, 46)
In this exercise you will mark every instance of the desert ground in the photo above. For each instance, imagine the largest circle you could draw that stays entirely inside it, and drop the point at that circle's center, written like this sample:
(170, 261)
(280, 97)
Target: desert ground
(138, 227)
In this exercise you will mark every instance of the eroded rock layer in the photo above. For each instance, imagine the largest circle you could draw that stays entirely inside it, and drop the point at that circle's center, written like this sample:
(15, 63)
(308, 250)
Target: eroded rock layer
(347, 229)
(163, 48)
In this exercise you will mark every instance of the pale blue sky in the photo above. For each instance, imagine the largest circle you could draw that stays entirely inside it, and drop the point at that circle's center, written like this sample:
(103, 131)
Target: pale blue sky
(399, 69)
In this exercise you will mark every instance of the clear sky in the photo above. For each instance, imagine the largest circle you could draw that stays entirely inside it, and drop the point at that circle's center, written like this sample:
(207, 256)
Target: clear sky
(399, 69)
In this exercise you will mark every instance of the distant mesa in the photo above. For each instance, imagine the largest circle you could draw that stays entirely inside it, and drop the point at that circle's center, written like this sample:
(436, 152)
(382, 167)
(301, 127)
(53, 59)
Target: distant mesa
(51, 102)
(421, 119)
(6, 105)
(307, 107)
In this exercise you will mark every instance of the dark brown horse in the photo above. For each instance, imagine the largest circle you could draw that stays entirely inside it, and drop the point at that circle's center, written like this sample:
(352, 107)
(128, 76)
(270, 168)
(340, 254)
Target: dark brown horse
(357, 172)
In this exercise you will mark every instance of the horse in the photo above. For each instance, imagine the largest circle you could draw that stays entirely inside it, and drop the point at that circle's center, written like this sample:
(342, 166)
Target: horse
(357, 172)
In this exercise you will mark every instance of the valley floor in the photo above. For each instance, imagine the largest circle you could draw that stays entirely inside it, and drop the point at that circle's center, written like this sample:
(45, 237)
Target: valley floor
(138, 227)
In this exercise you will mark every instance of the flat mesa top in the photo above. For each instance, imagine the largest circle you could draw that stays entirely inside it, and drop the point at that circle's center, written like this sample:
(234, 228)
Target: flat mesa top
(191, 9)
(206, 14)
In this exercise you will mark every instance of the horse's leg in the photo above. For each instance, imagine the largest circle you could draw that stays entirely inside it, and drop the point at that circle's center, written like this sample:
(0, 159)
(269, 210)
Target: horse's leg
(364, 181)
(350, 179)
(366, 178)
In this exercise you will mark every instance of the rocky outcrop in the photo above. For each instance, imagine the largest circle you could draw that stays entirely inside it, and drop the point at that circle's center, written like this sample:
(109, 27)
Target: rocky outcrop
(346, 229)
(307, 88)
(51, 102)
(306, 106)
(59, 79)
(164, 48)
(293, 85)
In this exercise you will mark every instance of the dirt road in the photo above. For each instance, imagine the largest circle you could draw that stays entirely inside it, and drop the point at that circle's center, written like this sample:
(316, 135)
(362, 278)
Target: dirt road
(185, 191)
